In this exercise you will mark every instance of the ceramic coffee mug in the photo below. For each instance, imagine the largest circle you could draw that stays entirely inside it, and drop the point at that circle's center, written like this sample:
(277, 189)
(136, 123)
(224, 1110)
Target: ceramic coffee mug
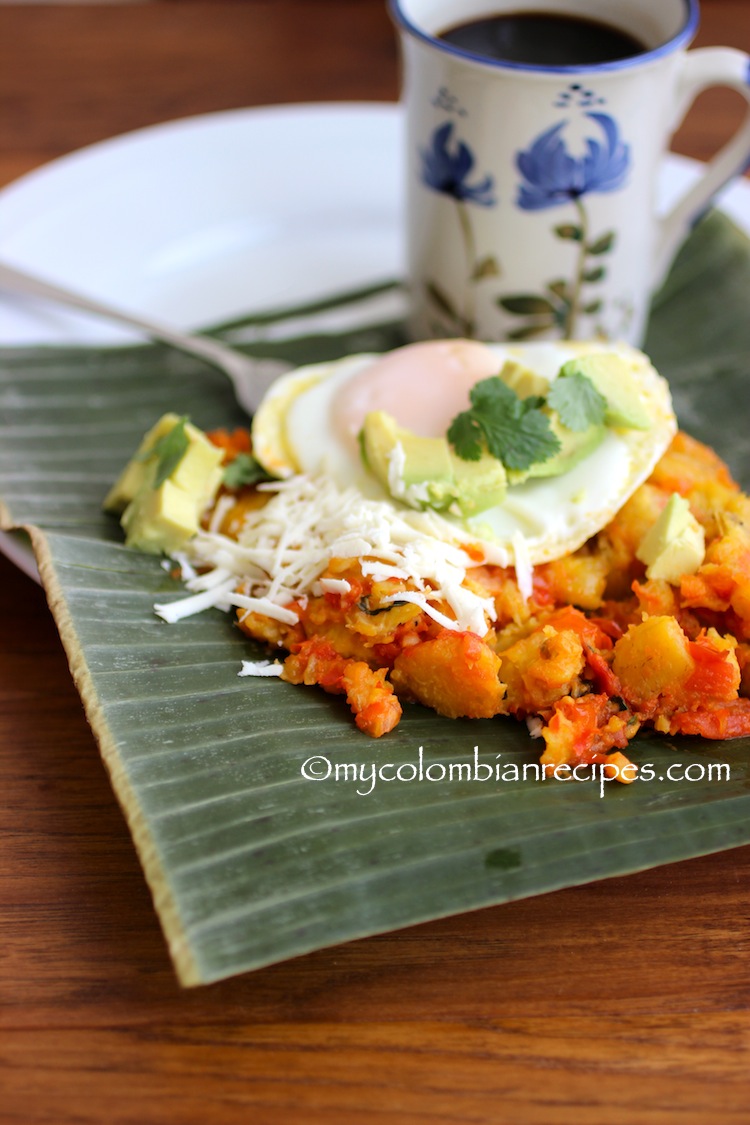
(531, 199)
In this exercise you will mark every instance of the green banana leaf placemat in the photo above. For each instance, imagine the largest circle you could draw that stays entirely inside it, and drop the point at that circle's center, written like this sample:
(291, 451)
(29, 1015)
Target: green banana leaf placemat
(261, 822)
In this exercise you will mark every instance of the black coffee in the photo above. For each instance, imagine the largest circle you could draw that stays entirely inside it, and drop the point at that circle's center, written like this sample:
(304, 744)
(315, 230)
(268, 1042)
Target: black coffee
(543, 39)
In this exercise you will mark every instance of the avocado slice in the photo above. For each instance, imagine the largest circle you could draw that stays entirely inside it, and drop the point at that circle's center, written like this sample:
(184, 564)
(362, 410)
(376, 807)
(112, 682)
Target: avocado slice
(160, 519)
(613, 378)
(162, 516)
(523, 381)
(424, 472)
(478, 485)
(675, 544)
(402, 460)
(136, 472)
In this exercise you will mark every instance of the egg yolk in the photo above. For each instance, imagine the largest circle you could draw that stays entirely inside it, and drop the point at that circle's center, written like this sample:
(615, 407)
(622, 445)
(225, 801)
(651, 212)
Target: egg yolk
(423, 386)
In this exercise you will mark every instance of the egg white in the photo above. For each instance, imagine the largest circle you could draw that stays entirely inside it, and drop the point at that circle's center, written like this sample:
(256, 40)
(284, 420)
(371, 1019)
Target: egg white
(293, 432)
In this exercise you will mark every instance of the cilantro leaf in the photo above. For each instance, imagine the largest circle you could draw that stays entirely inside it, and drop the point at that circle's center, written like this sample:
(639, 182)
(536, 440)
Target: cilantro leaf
(521, 441)
(577, 401)
(169, 451)
(244, 469)
(493, 394)
(534, 402)
(515, 430)
(465, 435)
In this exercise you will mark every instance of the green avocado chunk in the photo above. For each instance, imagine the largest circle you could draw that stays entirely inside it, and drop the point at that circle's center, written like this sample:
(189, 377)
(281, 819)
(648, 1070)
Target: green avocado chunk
(160, 516)
(138, 469)
(613, 379)
(425, 460)
(160, 519)
(425, 473)
(478, 485)
(675, 544)
(523, 381)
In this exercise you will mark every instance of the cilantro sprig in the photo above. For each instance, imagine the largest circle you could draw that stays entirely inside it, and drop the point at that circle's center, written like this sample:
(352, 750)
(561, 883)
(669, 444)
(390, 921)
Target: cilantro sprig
(513, 430)
(168, 450)
(244, 469)
(577, 401)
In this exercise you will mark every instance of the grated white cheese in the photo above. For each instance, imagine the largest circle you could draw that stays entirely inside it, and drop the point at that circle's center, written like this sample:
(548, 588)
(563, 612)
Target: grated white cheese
(209, 580)
(382, 571)
(285, 546)
(396, 466)
(185, 607)
(416, 598)
(223, 505)
(416, 495)
(467, 606)
(264, 606)
(260, 668)
(332, 586)
(186, 570)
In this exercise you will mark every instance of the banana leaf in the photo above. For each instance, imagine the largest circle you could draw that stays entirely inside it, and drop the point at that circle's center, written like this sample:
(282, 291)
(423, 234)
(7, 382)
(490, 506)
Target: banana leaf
(249, 860)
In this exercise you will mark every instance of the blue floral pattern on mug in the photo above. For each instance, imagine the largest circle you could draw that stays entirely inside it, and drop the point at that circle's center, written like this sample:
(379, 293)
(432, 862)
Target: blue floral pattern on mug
(446, 167)
(448, 172)
(552, 177)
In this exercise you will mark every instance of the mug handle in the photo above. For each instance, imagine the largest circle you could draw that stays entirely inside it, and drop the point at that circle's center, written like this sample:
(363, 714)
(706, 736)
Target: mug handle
(705, 67)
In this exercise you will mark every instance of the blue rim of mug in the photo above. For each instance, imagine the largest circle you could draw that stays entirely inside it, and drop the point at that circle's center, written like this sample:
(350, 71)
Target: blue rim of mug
(683, 36)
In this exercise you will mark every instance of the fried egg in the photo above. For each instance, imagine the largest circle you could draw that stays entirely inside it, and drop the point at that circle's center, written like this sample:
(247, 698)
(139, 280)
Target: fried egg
(310, 419)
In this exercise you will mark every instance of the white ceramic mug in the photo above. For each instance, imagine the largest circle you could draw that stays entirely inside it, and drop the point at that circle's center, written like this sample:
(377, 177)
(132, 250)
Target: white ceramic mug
(531, 198)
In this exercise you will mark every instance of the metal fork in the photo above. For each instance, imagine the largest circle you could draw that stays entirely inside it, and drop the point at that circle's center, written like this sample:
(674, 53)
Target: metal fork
(249, 377)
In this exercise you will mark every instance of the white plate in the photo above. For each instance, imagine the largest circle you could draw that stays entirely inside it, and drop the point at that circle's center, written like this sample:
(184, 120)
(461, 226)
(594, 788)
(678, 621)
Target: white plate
(200, 220)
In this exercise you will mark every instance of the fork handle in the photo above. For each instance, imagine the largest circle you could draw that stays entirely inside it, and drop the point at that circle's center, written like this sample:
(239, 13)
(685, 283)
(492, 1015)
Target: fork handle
(250, 379)
(16, 281)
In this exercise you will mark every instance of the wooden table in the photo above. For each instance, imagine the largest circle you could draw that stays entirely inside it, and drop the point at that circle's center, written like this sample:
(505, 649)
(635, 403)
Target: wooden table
(625, 1001)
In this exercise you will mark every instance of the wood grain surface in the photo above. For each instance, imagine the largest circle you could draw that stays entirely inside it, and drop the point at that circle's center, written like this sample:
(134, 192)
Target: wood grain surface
(627, 1001)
